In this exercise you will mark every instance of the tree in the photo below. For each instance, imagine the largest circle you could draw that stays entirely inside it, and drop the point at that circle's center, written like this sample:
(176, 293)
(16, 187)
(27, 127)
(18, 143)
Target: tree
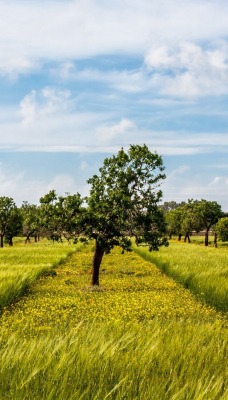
(173, 222)
(222, 229)
(207, 213)
(69, 209)
(31, 220)
(189, 219)
(123, 203)
(7, 208)
(170, 206)
(14, 226)
(59, 215)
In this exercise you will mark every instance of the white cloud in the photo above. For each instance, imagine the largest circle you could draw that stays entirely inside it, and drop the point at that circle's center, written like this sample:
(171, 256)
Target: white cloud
(184, 70)
(67, 30)
(37, 105)
(179, 171)
(107, 133)
(189, 70)
(219, 180)
(49, 122)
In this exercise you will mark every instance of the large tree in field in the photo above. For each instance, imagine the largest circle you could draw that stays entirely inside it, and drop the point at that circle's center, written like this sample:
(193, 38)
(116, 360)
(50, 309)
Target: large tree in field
(123, 203)
(7, 209)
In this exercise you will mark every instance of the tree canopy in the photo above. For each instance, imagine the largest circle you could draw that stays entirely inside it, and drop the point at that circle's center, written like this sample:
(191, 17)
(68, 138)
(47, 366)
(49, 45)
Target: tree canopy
(123, 203)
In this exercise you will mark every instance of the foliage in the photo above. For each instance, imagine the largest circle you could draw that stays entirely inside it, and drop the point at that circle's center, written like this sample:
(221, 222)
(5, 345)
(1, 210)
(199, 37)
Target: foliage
(208, 213)
(59, 215)
(14, 225)
(7, 208)
(195, 215)
(170, 206)
(31, 220)
(123, 202)
(222, 229)
(173, 222)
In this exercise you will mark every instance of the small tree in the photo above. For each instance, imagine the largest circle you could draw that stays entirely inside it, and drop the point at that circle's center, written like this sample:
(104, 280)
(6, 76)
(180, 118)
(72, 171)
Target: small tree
(222, 229)
(173, 222)
(170, 206)
(7, 208)
(207, 213)
(14, 226)
(59, 215)
(189, 219)
(123, 203)
(69, 209)
(31, 220)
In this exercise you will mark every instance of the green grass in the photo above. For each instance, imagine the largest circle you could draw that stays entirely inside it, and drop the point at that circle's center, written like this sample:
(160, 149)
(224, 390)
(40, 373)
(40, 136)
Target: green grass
(203, 270)
(139, 336)
(160, 360)
(21, 265)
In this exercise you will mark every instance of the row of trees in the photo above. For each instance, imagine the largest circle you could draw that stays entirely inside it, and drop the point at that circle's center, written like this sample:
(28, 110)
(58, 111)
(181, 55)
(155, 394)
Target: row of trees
(123, 203)
(196, 216)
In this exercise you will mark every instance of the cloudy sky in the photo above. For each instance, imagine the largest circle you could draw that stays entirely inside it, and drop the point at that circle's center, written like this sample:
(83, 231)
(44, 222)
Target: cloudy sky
(79, 79)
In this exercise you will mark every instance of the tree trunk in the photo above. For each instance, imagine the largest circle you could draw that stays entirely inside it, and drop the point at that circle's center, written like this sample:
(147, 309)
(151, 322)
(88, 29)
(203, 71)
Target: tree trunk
(27, 240)
(187, 237)
(11, 241)
(206, 237)
(215, 240)
(98, 255)
(179, 237)
(2, 240)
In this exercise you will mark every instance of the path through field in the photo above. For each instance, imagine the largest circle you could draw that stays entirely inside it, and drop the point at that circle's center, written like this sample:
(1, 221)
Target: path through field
(132, 289)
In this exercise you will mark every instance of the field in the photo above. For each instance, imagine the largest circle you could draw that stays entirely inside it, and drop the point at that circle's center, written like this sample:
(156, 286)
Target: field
(22, 264)
(140, 335)
(204, 270)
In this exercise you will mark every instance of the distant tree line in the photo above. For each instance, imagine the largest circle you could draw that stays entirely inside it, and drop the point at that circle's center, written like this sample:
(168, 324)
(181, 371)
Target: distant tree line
(64, 217)
(194, 216)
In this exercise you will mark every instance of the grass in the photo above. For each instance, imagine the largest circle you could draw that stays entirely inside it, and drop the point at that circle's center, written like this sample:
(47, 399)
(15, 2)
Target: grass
(139, 336)
(160, 360)
(203, 270)
(21, 265)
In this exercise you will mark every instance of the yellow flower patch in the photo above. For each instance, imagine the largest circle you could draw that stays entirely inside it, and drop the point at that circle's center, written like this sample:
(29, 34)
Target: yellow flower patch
(132, 290)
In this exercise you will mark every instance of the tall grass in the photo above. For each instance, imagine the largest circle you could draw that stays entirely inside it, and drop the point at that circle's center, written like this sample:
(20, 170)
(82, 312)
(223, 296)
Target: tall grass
(140, 336)
(158, 361)
(202, 270)
(21, 265)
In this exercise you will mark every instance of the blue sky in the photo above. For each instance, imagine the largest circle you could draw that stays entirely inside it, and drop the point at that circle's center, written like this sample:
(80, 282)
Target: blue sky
(80, 79)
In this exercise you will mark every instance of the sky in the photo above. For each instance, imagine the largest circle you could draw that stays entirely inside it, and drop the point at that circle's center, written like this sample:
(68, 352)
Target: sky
(79, 79)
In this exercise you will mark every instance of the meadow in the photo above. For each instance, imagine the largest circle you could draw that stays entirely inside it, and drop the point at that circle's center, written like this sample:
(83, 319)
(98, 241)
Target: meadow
(140, 335)
(203, 270)
(21, 265)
